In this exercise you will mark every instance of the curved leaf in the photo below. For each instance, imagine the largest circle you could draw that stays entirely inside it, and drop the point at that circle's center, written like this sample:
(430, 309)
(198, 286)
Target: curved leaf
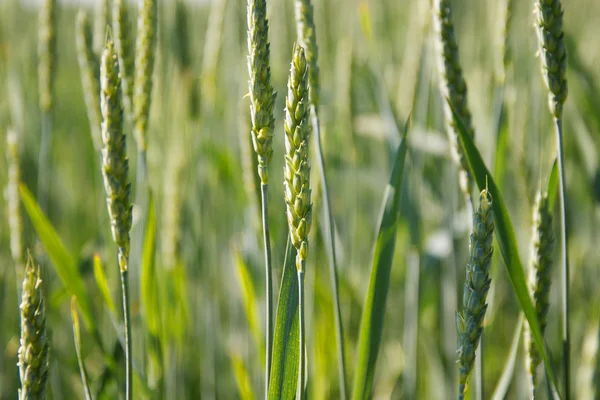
(371, 326)
(507, 241)
(286, 340)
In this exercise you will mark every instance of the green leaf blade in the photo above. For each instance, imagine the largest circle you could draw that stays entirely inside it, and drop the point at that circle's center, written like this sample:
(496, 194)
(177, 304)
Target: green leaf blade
(371, 327)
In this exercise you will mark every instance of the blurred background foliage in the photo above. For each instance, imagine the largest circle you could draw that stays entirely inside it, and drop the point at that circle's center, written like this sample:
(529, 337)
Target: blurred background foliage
(377, 67)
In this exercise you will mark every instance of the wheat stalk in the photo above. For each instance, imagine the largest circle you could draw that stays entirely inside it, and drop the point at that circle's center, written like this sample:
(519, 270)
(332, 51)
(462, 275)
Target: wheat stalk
(307, 36)
(262, 100)
(553, 56)
(296, 173)
(542, 246)
(115, 169)
(453, 87)
(35, 346)
(89, 69)
(469, 321)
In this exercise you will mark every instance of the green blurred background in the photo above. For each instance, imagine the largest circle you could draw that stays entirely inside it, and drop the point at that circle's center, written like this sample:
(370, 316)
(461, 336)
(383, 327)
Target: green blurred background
(377, 66)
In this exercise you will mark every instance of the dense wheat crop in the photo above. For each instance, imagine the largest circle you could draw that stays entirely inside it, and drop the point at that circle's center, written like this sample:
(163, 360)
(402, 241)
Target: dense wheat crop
(209, 185)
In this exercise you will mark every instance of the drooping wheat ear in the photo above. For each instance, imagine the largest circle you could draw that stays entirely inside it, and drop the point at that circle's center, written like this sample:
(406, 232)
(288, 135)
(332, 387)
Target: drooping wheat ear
(47, 53)
(115, 169)
(542, 247)
(469, 321)
(101, 24)
(297, 167)
(35, 347)
(89, 69)
(145, 52)
(115, 166)
(15, 224)
(453, 87)
(305, 27)
(553, 54)
(124, 42)
(262, 95)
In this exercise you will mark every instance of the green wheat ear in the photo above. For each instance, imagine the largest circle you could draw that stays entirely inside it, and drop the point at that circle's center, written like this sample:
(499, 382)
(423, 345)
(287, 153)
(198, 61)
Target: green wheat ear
(553, 54)
(125, 45)
(115, 166)
(542, 248)
(469, 321)
(306, 31)
(47, 53)
(262, 95)
(453, 88)
(297, 168)
(145, 53)
(90, 70)
(35, 348)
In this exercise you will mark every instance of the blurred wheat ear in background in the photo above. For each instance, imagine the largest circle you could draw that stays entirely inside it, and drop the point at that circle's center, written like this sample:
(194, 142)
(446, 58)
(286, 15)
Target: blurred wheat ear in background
(35, 344)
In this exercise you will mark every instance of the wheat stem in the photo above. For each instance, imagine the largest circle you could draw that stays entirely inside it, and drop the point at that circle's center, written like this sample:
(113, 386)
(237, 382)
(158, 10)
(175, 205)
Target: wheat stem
(268, 283)
(302, 378)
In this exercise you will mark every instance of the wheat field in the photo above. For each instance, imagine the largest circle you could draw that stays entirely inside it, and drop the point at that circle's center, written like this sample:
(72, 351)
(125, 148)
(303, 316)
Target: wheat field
(299, 199)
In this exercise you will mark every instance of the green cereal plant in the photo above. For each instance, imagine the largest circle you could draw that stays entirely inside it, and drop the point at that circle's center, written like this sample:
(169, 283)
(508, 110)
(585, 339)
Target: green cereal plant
(453, 87)
(125, 45)
(469, 320)
(13, 207)
(296, 173)
(542, 246)
(34, 344)
(145, 53)
(115, 169)
(307, 37)
(46, 71)
(553, 56)
(89, 69)
(262, 100)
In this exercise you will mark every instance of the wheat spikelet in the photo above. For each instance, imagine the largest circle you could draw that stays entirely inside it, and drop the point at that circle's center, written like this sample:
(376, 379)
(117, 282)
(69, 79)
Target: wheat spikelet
(89, 69)
(469, 321)
(125, 45)
(262, 95)
(297, 168)
(145, 53)
(553, 54)
(115, 166)
(35, 347)
(47, 53)
(542, 246)
(453, 87)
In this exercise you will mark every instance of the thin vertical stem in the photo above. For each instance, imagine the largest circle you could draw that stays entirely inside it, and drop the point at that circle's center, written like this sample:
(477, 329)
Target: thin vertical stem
(302, 367)
(565, 257)
(127, 323)
(268, 284)
(44, 161)
(330, 238)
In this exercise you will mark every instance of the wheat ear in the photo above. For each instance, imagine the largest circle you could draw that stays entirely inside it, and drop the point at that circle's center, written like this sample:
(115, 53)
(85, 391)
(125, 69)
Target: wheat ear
(101, 24)
(89, 69)
(35, 347)
(453, 87)
(13, 208)
(125, 45)
(115, 169)
(469, 321)
(542, 246)
(145, 53)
